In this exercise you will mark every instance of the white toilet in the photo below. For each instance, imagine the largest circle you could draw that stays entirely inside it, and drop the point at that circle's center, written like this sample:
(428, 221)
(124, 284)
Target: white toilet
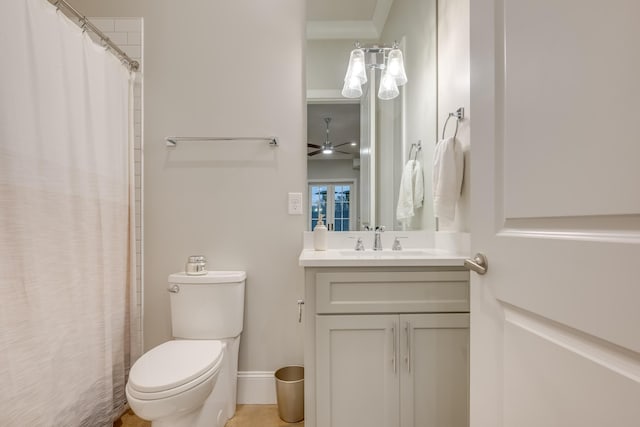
(191, 381)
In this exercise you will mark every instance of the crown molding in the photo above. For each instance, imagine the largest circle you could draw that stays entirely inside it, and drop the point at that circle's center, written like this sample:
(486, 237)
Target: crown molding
(351, 30)
(335, 30)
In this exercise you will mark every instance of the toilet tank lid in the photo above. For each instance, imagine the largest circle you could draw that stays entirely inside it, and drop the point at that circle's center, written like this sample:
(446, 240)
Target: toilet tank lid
(210, 277)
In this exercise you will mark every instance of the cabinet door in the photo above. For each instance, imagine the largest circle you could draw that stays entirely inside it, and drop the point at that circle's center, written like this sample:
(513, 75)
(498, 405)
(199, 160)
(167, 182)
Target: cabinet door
(357, 371)
(434, 355)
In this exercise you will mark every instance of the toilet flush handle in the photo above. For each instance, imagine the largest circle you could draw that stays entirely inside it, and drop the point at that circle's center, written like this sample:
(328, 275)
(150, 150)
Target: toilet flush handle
(174, 289)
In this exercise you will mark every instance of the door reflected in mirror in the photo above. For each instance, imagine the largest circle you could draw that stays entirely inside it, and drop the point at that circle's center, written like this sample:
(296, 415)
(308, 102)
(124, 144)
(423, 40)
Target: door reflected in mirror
(333, 200)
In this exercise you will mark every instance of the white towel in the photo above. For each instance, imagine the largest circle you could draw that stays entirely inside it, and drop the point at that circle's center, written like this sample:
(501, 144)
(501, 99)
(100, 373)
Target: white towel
(411, 193)
(417, 179)
(448, 166)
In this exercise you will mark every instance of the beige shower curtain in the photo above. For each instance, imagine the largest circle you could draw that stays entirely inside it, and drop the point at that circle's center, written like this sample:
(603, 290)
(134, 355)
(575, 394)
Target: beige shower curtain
(67, 256)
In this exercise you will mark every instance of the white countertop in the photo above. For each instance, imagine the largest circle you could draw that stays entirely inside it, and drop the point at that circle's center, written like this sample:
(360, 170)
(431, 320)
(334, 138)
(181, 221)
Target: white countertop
(414, 257)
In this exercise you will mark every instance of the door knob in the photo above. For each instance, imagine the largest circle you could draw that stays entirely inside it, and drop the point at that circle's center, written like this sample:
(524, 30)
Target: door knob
(478, 263)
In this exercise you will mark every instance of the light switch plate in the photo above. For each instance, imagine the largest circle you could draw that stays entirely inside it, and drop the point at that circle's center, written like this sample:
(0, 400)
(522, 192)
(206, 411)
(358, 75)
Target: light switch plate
(295, 203)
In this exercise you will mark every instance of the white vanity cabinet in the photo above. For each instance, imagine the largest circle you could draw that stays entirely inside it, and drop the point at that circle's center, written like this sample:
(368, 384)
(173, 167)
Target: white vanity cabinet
(387, 347)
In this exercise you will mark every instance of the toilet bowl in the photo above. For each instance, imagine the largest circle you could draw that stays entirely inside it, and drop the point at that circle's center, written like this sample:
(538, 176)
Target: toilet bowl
(191, 381)
(174, 378)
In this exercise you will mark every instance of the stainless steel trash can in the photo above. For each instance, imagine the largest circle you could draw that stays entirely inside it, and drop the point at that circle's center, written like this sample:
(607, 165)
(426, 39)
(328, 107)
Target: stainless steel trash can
(290, 393)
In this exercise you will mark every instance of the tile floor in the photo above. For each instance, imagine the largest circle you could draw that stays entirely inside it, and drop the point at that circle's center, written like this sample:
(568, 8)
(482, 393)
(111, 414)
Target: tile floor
(246, 416)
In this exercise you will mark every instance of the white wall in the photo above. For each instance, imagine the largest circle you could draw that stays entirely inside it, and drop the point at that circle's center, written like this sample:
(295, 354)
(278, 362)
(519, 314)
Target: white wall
(332, 169)
(327, 63)
(415, 21)
(454, 91)
(224, 69)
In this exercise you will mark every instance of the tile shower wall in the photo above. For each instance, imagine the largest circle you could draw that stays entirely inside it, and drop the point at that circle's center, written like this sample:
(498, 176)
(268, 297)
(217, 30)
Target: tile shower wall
(127, 34)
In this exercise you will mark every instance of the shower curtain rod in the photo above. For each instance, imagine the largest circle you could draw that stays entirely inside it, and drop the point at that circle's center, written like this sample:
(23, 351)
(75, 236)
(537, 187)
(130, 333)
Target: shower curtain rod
(133, 64)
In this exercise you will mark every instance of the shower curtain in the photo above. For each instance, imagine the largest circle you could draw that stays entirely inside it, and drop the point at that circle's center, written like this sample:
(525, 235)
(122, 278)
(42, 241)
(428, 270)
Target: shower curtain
(67, 255)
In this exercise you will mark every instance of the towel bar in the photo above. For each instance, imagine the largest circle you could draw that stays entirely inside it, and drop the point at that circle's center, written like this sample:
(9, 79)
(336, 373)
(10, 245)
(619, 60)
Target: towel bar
(172, 141)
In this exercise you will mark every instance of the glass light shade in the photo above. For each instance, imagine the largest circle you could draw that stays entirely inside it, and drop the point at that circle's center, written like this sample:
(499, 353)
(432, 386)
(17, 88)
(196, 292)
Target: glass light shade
(357, 66)
(388, 87)
(395, 67)
(327, 149)
(352, 88)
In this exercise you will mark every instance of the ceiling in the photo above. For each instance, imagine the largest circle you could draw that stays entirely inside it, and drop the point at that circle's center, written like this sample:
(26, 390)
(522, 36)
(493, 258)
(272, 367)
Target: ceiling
(344, 126)
(346, 19)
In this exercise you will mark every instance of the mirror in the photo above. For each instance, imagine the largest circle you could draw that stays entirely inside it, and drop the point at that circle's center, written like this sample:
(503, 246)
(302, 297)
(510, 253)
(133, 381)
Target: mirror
(357, 148)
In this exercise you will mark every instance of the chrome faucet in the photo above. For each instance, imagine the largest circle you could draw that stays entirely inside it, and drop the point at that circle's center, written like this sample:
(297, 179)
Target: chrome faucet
(359, 246)
(377, 243)
(396, 244)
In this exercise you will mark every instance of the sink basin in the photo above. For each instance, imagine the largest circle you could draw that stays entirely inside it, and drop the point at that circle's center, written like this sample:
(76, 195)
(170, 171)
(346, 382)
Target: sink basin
(406, 253)
(416, 257)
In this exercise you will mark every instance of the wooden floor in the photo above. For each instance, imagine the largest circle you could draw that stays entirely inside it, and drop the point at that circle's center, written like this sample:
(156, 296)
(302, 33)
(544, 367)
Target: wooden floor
(130, 420)
(246, 416)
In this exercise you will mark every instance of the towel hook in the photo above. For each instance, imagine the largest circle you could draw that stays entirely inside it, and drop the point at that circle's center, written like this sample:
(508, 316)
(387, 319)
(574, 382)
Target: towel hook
(459, 115)
(417, 146)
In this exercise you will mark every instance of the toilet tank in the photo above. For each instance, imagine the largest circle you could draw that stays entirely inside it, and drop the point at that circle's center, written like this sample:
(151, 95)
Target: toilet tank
(209, 306)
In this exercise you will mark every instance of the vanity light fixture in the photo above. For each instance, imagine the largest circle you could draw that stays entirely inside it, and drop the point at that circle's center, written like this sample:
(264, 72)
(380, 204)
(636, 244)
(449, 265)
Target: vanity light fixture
(387, 59)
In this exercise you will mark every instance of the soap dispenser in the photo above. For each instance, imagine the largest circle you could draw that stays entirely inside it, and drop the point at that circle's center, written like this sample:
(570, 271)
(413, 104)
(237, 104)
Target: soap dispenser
(320, 235)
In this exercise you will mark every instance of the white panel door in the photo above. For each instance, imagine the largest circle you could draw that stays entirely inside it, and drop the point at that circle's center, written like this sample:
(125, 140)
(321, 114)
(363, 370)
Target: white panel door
(357, 370)
(434, 365)
(555, 322)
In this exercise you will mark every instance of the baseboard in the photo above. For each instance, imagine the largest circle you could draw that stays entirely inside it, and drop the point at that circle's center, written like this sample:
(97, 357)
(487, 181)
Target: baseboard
(256, 387)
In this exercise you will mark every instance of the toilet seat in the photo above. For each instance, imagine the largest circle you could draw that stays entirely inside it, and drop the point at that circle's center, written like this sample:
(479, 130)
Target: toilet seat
(174, 367)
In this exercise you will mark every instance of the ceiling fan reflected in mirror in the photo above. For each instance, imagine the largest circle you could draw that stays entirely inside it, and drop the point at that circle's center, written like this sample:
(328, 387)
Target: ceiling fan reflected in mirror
(328, 147)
